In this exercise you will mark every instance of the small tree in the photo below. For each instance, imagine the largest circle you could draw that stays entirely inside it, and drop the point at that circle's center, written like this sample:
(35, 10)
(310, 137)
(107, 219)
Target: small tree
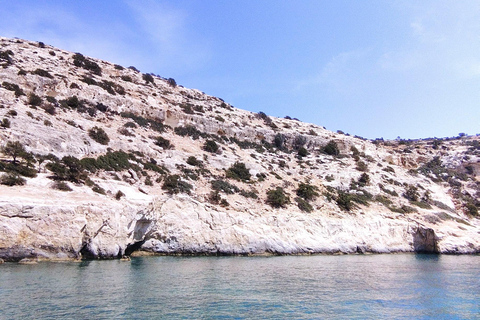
(277, 198)
(14, 149)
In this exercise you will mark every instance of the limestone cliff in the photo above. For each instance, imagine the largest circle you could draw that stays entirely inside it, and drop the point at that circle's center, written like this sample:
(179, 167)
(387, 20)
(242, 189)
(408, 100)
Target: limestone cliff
(100, 161)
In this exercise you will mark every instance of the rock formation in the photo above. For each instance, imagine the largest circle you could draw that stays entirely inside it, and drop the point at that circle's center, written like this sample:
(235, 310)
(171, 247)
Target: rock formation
(102, 161)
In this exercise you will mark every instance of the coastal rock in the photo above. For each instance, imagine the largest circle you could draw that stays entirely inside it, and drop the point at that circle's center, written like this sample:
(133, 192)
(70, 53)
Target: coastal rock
(159, 185)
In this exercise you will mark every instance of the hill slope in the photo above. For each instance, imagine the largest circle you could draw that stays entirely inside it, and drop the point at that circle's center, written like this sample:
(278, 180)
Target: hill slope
(100, 161)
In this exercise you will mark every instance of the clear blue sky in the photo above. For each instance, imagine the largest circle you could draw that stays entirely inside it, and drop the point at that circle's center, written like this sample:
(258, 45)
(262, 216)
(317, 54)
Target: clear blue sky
(368, 68)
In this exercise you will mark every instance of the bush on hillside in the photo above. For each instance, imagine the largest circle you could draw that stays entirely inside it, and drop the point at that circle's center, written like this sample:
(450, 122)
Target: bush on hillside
(277, 198)
(99, 135)
(239, 171)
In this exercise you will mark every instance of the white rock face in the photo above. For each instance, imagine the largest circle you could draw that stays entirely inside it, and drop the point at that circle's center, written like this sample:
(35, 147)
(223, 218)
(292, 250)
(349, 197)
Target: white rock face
(40, 222)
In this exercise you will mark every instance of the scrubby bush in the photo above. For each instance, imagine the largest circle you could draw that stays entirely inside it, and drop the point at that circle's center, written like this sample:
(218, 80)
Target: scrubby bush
(62, 186)
(411, 193)
(238, 171)
(164, 143)
(80, 61)
(362, 166)
(12, 179)
(224, 186)
(189, 130)
(299, 142)
(307, 191)
(279, 141)
(303, 205)
(99, 135)
(194, 161)
(344, 200)
(172, 82)
(5, 123)
(331, 148)
(277, 197)
(148, 78)
(43, 73)
(364, 180)
(210, 146)
(13, 87)
(302, 152)
(34, 100)
(173, 185)
(119, 195)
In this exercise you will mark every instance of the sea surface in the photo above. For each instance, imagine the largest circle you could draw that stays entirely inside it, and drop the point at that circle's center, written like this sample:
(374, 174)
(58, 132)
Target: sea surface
(397, 286)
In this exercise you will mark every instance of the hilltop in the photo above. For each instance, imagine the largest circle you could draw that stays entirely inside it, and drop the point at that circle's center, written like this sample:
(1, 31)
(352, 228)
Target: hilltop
(101, 161)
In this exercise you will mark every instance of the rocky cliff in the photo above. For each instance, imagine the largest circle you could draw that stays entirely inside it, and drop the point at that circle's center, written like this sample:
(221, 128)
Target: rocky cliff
(102, 161)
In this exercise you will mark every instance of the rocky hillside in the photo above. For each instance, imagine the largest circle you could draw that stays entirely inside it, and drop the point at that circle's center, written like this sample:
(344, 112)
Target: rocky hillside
(101, 161)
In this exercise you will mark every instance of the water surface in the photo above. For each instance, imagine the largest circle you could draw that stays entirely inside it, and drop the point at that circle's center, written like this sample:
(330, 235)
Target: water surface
(402, 286)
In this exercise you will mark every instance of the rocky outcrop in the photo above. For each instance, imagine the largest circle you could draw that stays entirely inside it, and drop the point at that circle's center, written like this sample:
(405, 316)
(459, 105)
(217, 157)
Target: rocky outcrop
(119, 205)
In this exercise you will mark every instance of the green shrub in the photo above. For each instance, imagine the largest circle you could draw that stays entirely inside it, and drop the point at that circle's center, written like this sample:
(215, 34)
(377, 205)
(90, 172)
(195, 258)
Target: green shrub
(214, 197)
(279, 141)
(210, 146)
(34, 100)
(253, 194)
(411, 193)
(80, 61)
(69, 168)
(194, 161)
(148, 78)
(96, 188)
(62, 186)
(307, 191)
(224, 186)
(144, 122)
(344, 200)
(12, 179)
(302, 152)
(14, 149)
(164, 143)
(362, 166)
(119, 195)
(303, 205)
(189, 130)
(13, 87)
(173, 185)
(5, 58)
(43, 73)
(172, 82)
(238, 171)
(471, 209)
(277, 198)
(99, 135)
(5, 123)
(364, 180)
(331, 148)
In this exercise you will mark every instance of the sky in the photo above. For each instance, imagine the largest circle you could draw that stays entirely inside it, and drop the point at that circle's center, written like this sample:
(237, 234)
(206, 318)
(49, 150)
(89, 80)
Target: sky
(373, 68)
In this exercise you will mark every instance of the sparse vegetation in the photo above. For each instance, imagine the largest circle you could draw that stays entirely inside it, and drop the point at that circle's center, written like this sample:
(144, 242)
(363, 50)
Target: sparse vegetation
(238, 171)
(173, 185)
(277, 197)
(99, 135)
(331, 148)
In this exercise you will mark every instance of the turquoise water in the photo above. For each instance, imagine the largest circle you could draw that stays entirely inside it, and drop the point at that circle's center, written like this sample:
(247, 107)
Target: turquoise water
(402, 286)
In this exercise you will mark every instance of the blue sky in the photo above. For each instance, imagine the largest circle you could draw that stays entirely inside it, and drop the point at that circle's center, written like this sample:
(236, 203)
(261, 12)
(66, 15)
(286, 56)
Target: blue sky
(369, 68)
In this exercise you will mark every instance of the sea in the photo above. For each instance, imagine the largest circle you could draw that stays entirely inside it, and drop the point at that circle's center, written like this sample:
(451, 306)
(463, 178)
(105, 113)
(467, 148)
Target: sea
(390, 286)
